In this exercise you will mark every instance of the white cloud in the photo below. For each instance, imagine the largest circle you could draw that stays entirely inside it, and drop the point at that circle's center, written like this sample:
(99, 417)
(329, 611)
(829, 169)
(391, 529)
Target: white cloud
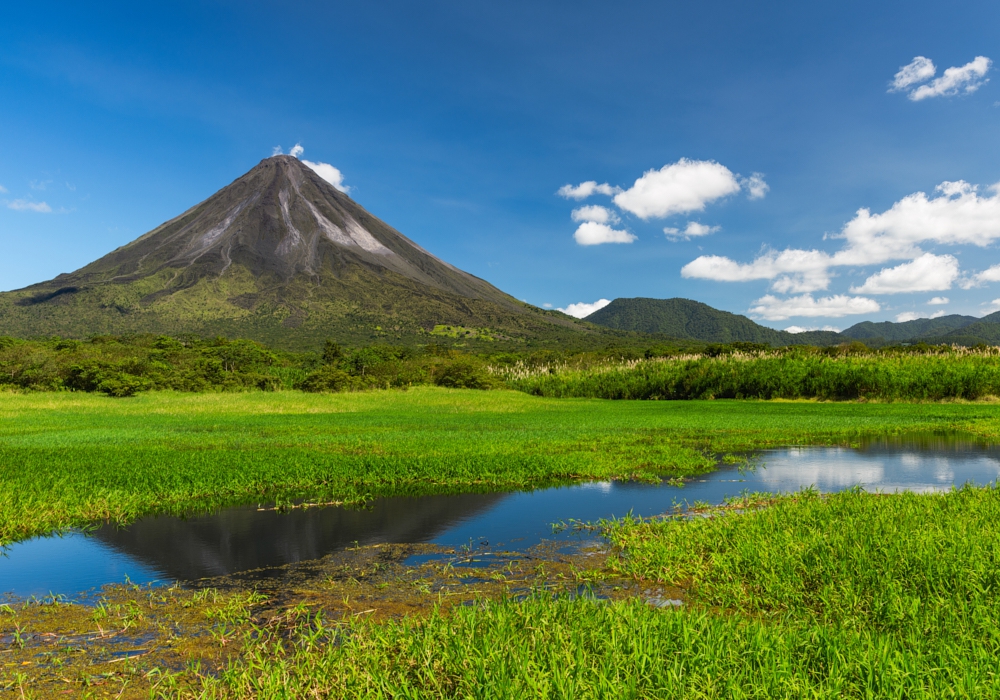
(928, 273)
(793, 270)
(3, 189)
(967, 79)
(583, 309)
(939, 301)
(990, 274)
(586, 189)
(25, 205)
(992, 306)
(547, 305)
(755, 186)
(324, 170)
(678, 188)
(692, 230)
(596, 213)
(958, 215)
(805, 329)
(918, 70)
(593, 233)
(914, 315)
(772, 308)
(329, 173)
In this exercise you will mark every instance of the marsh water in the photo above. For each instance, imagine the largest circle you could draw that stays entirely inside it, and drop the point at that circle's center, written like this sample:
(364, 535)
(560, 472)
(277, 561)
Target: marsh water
(256, 542)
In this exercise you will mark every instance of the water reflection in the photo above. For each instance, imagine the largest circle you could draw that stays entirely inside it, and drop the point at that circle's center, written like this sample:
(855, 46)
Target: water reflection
(243, 539)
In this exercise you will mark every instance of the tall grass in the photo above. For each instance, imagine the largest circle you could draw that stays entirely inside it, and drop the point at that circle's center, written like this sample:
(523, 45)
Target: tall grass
(850, 596)
(577, 649)
(945, 373)
(852, 559)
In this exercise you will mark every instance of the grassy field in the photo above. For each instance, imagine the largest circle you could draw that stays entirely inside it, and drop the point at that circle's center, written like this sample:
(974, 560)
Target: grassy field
(853, 595)
(70, 458)
(849, 595)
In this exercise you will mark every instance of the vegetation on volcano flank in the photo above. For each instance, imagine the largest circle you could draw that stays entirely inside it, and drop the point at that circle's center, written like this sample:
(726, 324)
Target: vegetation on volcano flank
(279, 256)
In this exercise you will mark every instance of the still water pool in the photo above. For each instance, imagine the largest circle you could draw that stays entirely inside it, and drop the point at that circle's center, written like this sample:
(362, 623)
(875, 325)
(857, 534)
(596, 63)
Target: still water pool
(241, 539)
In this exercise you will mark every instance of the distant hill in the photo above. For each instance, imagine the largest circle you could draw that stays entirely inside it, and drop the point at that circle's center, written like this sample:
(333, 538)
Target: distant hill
(982, 331)
(280, 256)
(692, 320)
(908, 330)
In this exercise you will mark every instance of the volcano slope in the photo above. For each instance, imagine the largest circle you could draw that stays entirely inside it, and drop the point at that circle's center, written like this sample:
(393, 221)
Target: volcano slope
(279, 256)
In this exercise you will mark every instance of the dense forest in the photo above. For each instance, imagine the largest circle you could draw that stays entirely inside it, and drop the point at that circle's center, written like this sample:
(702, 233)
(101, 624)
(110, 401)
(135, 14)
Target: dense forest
(121, 366)
(125, 365)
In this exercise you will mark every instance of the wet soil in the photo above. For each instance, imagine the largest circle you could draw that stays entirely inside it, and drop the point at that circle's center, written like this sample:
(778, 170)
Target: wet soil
(136, 640)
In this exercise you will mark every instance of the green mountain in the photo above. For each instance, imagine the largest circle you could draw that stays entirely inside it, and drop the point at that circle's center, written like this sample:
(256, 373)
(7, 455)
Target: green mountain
(687, 319)
(909, 330)
(982, 331)
(280, 256)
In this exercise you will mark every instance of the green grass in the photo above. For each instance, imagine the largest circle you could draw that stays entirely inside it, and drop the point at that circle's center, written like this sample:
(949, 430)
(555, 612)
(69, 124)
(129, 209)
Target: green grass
(70, 458)
(792, 373)
(576, 649)
(852, 595)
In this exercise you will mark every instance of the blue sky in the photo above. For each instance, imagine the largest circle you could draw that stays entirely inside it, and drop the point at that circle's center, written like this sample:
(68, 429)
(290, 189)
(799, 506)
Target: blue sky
(738, 142)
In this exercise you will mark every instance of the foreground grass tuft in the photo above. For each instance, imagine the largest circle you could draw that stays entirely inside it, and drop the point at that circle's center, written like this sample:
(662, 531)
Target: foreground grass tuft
(854, 595)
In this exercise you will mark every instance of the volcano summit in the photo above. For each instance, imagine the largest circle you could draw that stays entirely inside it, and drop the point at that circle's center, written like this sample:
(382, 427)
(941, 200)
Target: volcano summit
(281, 256)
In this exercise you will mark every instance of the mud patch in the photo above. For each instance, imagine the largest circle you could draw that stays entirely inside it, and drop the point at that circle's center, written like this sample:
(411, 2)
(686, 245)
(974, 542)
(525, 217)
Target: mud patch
(136, 641)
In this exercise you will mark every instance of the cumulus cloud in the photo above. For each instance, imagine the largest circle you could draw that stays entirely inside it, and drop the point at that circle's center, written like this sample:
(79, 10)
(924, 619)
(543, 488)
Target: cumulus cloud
(958, 215)
(792, 270)
(928, 273)
(772, 308)
(594, 233)
(678, 188)
(583, 309)
(806, 329)
(595, 213)
(990, 274)
(328, 173)
(967, 79)
(692, 230)
(916, 71)
(586, 189)
(25, 205)
(992, 306)
(755, 186)
(297, 150)
(938, 301)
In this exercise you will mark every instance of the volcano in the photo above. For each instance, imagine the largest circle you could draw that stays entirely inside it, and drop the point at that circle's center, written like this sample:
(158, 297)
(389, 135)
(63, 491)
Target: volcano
(280, 256)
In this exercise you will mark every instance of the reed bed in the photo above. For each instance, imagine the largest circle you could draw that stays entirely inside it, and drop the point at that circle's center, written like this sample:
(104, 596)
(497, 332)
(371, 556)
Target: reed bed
(796, 373)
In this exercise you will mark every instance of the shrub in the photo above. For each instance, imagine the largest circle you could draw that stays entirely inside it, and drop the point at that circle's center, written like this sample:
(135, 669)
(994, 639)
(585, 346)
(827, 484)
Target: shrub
(464, 373)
